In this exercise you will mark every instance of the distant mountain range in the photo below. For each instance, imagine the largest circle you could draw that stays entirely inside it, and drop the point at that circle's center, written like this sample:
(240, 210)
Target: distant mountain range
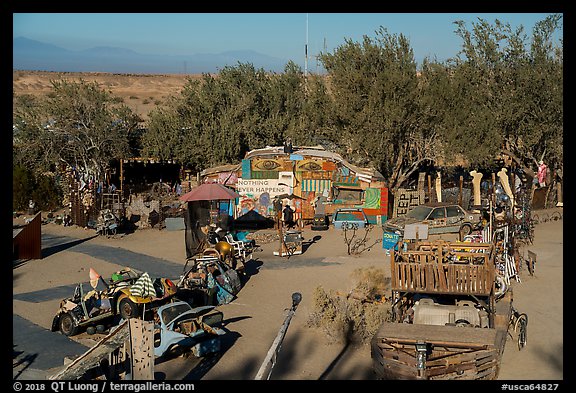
(33, 55)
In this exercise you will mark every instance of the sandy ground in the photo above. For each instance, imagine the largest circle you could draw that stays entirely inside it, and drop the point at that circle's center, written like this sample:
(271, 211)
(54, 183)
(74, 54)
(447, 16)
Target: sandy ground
(255, 316)
(141, 93)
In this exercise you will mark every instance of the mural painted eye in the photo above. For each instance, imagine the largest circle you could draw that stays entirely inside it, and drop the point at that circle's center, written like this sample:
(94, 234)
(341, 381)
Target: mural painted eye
(266, 165)
(310, 166)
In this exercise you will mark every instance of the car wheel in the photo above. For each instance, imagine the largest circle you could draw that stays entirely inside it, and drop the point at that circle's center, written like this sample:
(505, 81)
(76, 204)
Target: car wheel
(128, 309)
(68, 325)
(465, 230)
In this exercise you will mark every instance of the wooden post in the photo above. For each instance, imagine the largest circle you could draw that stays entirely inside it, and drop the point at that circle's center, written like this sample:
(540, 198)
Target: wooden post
(280, 240)
(430, 188)
(493, 187)
(121, 179)
(559, 193)
(142, 349)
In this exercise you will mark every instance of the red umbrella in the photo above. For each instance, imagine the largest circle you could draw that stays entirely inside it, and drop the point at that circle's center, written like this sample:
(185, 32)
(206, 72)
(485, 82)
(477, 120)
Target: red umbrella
(209, 192)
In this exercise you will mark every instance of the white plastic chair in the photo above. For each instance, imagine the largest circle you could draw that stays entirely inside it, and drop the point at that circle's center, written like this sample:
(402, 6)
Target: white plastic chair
(238, 246)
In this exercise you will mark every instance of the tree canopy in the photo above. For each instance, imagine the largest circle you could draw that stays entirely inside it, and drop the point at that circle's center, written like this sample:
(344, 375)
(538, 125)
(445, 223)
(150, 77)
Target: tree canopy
(501, 95)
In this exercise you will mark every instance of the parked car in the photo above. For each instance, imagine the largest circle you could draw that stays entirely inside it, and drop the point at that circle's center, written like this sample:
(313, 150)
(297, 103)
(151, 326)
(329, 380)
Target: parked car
(440, 218)
(351, 217)
(179, 326)
(91, 307)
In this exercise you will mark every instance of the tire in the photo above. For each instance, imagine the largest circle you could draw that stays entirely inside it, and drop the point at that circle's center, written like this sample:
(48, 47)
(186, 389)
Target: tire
(67, 324)
(462, 323)
(128, 309)
(464, 231)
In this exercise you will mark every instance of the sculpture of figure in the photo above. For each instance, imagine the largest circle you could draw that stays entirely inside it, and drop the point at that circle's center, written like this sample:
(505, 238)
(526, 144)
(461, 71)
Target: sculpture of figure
(439, 187)
(476, 178)
(506, 184)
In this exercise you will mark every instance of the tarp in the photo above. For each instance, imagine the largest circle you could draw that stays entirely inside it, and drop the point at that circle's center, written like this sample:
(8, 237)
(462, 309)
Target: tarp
(195, 216)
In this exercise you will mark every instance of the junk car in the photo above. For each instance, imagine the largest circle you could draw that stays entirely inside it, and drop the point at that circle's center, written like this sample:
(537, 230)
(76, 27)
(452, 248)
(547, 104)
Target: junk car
(320, 222)
(208, 281)
(123, 296)
(179, 326)
(349, 217)
(440, 218)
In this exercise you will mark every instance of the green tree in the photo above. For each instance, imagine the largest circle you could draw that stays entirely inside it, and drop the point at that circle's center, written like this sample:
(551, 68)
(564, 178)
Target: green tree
(511, 98)
(377, 109)
(79, 125)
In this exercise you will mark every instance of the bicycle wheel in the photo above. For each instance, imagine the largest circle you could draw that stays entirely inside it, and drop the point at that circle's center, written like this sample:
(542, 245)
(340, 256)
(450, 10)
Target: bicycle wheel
(521, 328)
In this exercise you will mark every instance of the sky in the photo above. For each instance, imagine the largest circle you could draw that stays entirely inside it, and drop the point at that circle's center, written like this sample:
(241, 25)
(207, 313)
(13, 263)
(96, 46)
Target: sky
(281, 35)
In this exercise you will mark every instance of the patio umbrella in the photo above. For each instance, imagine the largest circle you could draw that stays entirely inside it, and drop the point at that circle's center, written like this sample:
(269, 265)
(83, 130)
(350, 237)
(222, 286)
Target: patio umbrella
(209, 192)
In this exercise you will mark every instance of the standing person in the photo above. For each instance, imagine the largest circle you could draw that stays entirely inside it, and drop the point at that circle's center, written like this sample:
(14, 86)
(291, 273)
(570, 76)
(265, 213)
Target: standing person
(288, 216)
(542, 173)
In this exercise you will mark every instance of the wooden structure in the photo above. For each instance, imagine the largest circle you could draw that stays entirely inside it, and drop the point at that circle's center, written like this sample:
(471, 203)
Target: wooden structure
(445, 268)
(447, 273)
(27, 240)
(128, 348)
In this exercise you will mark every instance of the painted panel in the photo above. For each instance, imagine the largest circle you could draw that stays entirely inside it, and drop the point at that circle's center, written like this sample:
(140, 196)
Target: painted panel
(309, 165)
(264, 174)
(246, 169)
(258, 186)
(268, 164)
(316, 185)
(404, 200)
(384, 202)
(329, 166)
(307, 205)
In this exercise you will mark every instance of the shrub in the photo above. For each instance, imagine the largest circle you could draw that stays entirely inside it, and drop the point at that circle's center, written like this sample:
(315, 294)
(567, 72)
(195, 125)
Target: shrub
(356, 316)
(42, 189)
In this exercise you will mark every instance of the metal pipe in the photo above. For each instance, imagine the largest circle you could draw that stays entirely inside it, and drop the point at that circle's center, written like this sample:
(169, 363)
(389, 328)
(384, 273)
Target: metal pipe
(270, 361)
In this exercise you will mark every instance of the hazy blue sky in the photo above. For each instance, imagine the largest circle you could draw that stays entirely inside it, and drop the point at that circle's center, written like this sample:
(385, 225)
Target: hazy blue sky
(281, 35)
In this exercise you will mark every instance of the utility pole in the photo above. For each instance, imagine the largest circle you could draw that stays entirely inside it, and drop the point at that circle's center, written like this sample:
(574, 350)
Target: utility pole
(306, 50)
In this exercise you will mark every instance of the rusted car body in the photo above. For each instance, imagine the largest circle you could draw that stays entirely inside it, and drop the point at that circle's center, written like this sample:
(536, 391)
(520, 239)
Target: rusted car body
(94, 307)
(179, 326)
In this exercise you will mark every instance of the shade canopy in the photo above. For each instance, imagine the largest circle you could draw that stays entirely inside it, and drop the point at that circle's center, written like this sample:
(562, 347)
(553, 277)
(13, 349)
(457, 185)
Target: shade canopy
(209, 192)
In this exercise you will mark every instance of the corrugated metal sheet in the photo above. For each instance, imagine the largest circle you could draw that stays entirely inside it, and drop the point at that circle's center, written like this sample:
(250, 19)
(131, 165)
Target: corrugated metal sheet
(27, 242)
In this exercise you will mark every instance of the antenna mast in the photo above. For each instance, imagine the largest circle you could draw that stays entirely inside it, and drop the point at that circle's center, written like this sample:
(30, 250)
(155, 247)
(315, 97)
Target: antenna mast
(306, 50)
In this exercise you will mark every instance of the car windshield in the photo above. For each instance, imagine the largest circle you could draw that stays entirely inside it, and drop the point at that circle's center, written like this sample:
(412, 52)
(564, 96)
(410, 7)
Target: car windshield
(419, 212)
(170, 313)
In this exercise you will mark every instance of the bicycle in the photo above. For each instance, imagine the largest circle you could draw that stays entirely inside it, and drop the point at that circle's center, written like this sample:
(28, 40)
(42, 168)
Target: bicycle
(519, 322)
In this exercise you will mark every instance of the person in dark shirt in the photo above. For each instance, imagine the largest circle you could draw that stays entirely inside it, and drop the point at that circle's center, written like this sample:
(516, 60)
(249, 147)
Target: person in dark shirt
(288, 216)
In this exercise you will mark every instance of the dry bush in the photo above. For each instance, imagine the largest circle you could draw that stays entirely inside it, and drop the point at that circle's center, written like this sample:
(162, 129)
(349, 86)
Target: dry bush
(371, 284)
(357, 316)
(329, 315)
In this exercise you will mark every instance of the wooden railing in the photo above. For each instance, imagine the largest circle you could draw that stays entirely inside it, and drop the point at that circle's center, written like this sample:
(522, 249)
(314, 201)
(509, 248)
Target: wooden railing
(447, 268)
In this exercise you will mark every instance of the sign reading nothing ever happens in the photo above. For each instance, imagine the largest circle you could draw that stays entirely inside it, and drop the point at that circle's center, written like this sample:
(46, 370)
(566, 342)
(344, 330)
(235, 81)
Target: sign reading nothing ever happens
(260, 186)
